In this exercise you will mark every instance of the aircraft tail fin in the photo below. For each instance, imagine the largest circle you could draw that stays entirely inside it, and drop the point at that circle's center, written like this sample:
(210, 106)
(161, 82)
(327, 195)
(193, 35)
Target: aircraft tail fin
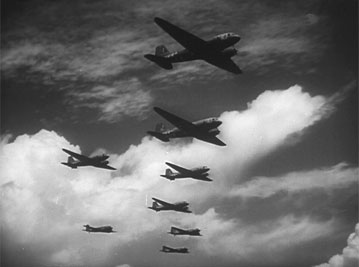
(160, 61)
(168, 174)
(70, 162)
(155, 206)
(158, 132)
(160, 127)
(161, 51)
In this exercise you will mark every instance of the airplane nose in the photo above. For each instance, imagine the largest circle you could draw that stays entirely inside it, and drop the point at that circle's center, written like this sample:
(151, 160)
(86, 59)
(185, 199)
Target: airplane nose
(236, 37)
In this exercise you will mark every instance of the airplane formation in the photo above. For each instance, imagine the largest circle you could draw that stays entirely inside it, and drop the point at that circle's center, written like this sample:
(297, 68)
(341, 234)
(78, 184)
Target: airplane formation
(216, 51)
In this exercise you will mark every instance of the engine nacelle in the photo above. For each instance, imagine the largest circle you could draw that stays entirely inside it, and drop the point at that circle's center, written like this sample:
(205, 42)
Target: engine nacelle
(229, 52)
(106, 162)
(214, 132)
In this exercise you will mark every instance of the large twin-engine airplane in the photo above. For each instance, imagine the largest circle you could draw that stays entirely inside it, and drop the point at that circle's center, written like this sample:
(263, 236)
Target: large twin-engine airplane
(96, 161)
(174, 250)
(216, 51)
(177, 231)
(200, 173)
(159, 205)
(101, 229)
(205, 130)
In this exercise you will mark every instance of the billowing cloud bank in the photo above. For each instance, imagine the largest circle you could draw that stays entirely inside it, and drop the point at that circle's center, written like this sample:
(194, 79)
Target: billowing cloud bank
(350, 255)
(45, 204)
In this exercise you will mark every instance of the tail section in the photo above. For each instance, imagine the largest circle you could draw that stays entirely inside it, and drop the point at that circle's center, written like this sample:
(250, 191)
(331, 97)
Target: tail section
(161, 51)
(159, 57)
(160, 127)
(168, 174)
(155, 206)
(70, 162)
(158, 133)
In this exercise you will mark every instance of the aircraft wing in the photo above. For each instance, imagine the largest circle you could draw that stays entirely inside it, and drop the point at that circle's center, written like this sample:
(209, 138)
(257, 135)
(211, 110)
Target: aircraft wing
(75, 155)
(106, 167)
(186, 39)
(224, 63)
(164, 203)
(211, 139)
(178, 168)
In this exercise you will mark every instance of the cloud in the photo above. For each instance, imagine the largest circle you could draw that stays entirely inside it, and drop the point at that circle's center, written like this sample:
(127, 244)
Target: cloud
(39, 193)
(126, 98)
(340, 175)
(350, 255)
(269, 239)
(84, 50)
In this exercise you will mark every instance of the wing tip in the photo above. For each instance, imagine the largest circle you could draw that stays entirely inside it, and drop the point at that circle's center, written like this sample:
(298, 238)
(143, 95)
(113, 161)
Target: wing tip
(158, 20)
(158, 110)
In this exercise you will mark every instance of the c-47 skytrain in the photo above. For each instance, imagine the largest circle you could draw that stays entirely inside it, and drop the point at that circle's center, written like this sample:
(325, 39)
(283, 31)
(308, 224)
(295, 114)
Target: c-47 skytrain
(101, 229)
(177, 231)
(217, 51)
(205, 130)
(167, 249)
(159, 205)
(200, 173)
(99, 161)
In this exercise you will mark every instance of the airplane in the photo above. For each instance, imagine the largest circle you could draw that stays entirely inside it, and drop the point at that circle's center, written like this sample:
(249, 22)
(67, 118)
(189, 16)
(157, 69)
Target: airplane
(216, 51)
(197, 173)
(99, 161)
(174, 250)
(101, 229)
(159, 205)
(205, 130)
(177, 231)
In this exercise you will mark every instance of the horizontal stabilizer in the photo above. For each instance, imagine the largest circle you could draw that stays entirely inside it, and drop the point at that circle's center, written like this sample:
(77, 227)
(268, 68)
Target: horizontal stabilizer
(160, 61)
(69, 165)
(159, 136)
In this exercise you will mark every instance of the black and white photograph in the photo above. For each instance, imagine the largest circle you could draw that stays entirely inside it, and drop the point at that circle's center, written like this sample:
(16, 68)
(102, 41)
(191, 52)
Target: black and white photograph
(157, 133)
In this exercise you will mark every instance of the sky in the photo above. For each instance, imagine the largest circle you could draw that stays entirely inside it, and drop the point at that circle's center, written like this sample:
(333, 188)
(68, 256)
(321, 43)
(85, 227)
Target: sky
(285, 188)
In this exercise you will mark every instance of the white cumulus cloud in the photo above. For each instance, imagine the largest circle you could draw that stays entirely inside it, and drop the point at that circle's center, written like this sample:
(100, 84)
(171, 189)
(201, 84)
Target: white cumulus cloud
(350, 255)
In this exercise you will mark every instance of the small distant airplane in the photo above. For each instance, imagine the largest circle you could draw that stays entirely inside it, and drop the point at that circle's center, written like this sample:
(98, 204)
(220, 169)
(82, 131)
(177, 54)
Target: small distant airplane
(216, 51)
(174, 250)
(200, 173)
(177, 231)
(96, 161)
(101, 229)
(159, 205)
(205, 130)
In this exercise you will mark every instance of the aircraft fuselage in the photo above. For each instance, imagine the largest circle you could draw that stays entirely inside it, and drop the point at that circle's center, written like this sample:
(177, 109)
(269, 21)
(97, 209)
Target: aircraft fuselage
(206, 125)
(221, 44)
(192, 232)
(174, 250)
(180, 207)
(198, 173)
(102, 229)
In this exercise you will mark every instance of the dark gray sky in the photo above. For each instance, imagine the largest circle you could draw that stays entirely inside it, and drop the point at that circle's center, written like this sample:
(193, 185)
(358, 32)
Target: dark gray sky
(285, 187)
